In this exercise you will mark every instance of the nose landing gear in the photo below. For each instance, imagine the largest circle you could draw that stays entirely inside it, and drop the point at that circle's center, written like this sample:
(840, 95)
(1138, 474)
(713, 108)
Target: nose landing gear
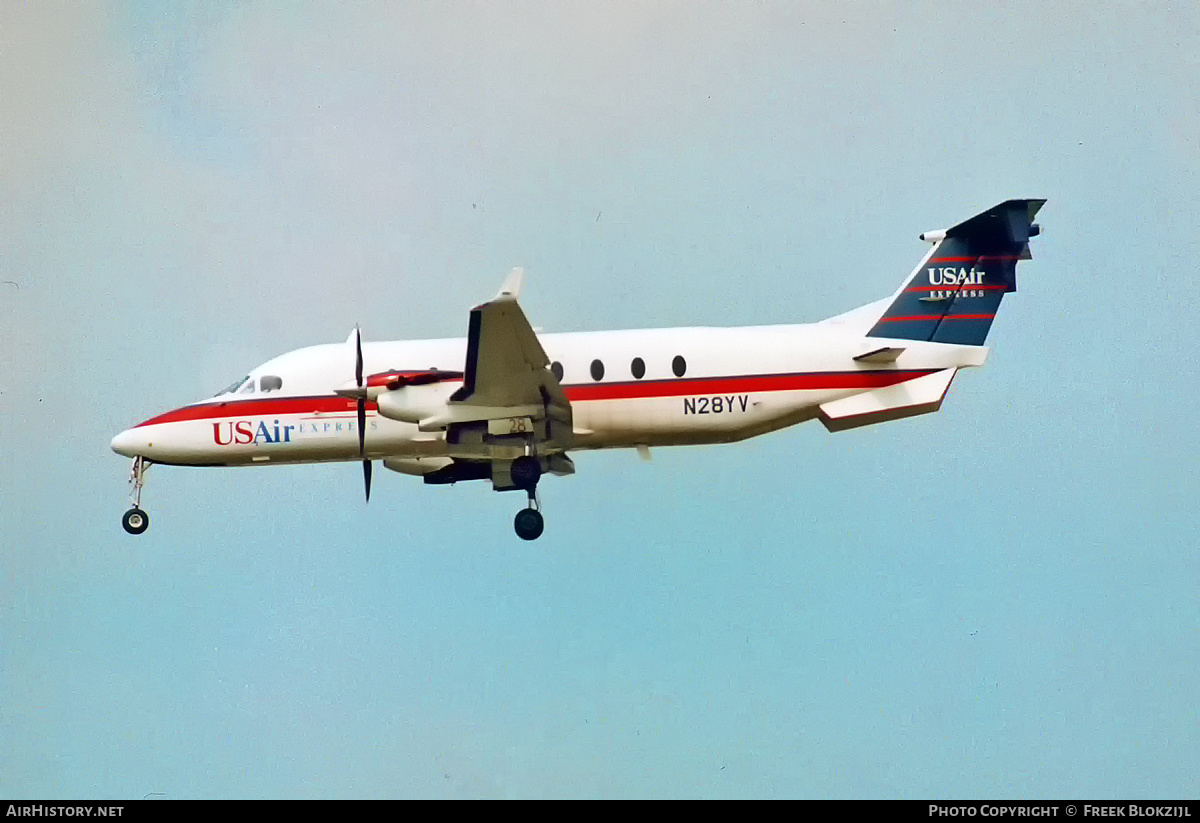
(136, 521)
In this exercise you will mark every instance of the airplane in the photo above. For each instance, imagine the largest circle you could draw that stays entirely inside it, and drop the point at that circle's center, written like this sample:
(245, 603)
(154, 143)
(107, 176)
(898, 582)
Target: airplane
(509, 405)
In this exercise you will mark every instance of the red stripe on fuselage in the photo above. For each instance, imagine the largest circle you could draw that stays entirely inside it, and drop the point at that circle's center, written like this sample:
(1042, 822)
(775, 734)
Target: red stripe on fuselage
(323, 404)
(685, 387)
(582, 392)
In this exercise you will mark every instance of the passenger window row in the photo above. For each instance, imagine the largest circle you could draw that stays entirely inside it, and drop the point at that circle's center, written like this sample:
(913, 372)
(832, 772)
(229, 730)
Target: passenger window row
(637, 367)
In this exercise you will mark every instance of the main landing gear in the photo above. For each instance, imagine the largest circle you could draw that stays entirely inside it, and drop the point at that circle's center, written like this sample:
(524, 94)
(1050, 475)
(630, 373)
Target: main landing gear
(136, 521)
(526, 471)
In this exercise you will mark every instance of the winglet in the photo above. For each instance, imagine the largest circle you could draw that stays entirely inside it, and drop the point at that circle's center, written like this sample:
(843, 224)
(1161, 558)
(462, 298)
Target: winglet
(511, 289)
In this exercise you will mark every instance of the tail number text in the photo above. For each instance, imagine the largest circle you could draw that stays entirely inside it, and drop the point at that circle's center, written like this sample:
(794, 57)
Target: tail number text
(720, 404)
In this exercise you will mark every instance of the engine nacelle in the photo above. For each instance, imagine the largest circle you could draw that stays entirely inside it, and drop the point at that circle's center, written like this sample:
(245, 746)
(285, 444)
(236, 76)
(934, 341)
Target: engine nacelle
(417, 466)
(412, 404)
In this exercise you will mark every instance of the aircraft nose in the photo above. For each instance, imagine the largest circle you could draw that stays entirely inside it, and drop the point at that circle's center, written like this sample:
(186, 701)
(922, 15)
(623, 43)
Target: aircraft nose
(129, 443)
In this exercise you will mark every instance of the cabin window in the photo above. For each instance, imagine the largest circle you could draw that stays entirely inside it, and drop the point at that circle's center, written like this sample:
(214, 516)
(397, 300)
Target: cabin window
(269, 382)
(638, 368)
(557, 370)
(597, 370)
(679, 366)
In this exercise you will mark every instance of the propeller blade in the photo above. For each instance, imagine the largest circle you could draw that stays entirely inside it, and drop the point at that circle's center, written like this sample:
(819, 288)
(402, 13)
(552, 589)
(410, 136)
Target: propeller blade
(362, 412)
(358, 360)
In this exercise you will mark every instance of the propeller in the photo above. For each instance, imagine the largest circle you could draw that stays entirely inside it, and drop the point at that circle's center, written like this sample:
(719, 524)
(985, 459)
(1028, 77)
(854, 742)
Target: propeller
(362, 412)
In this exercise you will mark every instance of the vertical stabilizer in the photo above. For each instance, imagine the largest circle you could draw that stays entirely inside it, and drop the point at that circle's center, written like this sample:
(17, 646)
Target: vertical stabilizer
(954, 294)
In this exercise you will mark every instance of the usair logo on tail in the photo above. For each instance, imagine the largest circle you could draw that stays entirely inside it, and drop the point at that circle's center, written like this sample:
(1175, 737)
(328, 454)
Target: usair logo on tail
(959, 277)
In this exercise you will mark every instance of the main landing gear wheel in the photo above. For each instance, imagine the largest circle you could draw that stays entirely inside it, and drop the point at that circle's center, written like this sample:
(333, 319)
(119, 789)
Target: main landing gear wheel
(135, 521)
(529, 524)
(525, 472)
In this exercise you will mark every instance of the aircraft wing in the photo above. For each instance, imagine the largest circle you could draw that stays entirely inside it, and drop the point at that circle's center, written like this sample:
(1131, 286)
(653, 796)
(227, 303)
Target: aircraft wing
(507, 372)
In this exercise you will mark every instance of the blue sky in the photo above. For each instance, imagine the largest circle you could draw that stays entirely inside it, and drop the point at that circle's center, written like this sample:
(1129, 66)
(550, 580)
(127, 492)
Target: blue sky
(999, 600)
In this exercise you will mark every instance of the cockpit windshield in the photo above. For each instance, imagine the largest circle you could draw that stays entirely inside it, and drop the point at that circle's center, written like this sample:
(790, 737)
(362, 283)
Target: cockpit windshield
(234, 387)
(248, 385)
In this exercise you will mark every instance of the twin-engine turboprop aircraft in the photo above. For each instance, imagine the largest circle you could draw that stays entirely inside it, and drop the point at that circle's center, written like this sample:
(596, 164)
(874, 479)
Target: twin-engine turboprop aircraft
(509, 405)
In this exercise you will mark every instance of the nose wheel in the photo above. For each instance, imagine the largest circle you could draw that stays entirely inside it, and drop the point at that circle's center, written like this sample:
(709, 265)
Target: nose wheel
(136, 521)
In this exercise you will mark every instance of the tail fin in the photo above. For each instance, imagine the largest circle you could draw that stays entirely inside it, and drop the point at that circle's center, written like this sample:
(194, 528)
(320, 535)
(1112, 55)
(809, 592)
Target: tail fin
(953, 295)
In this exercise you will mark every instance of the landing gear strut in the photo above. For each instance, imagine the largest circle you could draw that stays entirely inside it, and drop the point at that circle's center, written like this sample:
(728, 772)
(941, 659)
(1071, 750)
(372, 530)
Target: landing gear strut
(525, 472)
(136, 521)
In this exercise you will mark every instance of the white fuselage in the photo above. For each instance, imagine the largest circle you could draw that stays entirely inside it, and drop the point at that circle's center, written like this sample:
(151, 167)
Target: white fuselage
(734, 383)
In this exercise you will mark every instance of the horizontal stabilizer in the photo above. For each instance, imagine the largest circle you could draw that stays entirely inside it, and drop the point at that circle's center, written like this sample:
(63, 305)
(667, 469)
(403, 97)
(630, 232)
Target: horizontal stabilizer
(922, 395)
